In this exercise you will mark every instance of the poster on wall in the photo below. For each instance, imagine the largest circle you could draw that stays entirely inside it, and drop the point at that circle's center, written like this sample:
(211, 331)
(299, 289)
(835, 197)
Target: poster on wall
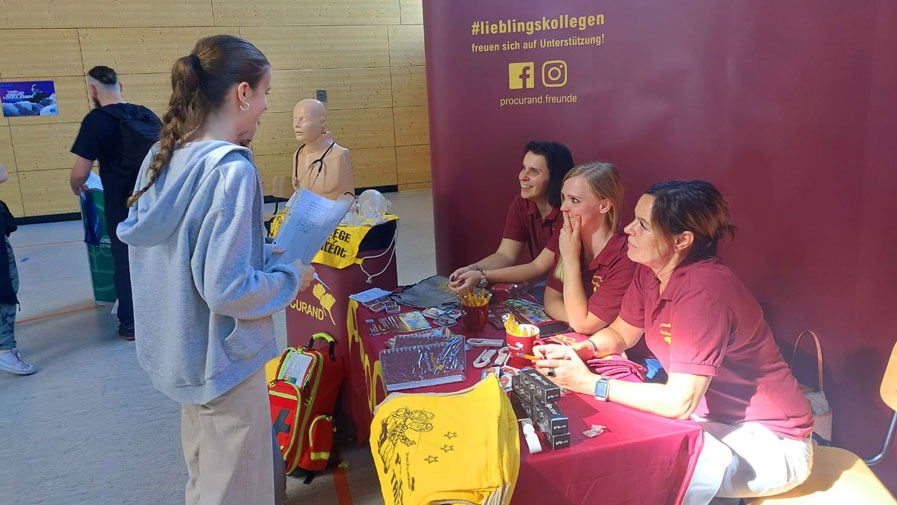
(28, 98)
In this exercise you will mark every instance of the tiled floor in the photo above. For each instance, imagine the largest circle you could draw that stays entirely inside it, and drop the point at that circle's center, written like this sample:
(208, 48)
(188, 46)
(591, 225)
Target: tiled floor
(89, 428)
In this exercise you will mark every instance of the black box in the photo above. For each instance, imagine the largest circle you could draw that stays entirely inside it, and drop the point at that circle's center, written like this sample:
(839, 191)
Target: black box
(549, 419)
(556, 442)
(542, 389)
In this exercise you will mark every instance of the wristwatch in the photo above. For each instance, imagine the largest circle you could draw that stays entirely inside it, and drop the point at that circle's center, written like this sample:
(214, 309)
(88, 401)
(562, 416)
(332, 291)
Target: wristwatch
(601, 389)
(484, 283)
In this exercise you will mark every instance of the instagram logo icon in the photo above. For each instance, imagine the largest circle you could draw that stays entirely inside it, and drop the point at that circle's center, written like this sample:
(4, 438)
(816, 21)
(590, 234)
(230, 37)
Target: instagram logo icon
(554, 73)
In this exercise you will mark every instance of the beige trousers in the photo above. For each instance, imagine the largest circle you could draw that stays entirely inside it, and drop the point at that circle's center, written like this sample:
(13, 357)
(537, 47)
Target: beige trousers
(228, 448)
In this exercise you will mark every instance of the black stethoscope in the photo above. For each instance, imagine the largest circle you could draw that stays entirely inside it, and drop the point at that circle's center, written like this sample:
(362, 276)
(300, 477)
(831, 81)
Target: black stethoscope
(319, 162)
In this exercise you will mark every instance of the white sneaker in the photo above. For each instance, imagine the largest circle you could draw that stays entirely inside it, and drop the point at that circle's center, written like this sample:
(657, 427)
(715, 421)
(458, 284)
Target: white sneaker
(12, 362)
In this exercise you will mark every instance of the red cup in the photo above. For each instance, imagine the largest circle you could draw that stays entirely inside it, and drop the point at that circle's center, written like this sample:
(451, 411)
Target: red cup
(474, 317)
(522, 344)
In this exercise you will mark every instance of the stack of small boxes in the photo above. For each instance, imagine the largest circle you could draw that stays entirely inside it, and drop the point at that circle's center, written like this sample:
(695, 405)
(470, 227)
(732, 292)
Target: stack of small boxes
(538, 396)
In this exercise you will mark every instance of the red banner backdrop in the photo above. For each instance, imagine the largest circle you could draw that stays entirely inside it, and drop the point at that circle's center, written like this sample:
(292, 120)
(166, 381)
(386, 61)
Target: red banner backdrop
(788, 107)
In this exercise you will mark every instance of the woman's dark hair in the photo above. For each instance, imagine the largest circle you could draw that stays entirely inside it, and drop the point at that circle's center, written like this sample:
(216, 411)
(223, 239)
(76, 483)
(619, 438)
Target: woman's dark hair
(695, 206)
(199, 84)
(559, 161)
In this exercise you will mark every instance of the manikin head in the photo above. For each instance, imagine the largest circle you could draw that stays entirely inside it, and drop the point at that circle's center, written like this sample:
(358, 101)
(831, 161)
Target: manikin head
(104, 87)
(309, 120)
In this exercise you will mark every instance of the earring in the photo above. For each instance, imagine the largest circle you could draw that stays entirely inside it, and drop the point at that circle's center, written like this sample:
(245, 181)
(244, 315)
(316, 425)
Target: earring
(247, 107)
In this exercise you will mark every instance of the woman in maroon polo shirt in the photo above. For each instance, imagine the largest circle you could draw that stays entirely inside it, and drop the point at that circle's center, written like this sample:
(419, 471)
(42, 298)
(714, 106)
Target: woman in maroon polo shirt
(709, 333)
(590, 270)
(533, 216)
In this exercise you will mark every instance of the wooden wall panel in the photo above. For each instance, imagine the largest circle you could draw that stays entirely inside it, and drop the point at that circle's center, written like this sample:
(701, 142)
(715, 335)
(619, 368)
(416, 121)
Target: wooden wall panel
(150, 90)
(367, 54)
(413, 164)
(347, 88)
(96, 13)
(406, 45)
(409, 85)
(71, 97)
(361, 128)
(47, 192)
(412, 126)
(374, 167)
(7, 155)
(39, 52)
(412, 12)
(141, 50)
(306, 12)
(275, 134)
(416, 186)
(292, 47)
(272, 165)
(12, 195)
(44, 147)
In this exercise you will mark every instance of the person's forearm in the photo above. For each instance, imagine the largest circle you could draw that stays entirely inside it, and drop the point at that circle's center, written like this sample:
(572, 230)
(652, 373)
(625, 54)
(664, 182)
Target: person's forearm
(77, 182)
(517, 273)
(494, 261)
(649, 397)
(606, 342)
(554, 305)
(576, 304)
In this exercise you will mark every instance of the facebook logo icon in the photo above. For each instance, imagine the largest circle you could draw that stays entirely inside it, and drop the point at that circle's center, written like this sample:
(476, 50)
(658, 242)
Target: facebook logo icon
(520, 75)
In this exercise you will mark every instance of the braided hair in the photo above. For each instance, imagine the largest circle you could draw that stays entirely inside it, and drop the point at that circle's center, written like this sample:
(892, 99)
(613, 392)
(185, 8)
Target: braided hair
(200, 82)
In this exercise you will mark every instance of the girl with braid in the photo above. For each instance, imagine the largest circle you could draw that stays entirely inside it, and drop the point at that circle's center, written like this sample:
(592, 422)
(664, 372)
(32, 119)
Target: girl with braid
(204, 289)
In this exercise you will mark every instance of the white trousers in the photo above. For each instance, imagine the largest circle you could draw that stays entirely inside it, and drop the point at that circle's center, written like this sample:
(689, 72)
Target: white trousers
(228, 448)
(746, 460)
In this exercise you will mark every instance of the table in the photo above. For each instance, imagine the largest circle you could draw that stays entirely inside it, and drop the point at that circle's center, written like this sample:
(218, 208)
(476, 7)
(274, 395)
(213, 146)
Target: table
(324, 306)
(642, 458)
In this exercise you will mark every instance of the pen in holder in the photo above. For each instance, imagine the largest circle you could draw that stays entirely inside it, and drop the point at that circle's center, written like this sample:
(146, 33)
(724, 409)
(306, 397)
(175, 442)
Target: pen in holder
(475, 309)
(520, 340)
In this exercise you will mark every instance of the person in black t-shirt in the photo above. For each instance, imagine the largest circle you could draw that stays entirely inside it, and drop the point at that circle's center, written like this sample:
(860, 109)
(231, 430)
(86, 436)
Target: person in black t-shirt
(100, 140)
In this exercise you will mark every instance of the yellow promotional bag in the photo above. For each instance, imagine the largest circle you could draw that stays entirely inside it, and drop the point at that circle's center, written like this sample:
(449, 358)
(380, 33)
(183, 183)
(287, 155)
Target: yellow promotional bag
(447, 447)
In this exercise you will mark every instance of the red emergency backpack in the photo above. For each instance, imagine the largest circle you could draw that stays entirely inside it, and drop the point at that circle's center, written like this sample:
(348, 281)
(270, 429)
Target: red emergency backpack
(303, 396)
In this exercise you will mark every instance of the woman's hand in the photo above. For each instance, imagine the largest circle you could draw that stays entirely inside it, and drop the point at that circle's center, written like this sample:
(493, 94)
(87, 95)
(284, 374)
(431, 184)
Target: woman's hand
(551, 351)
(562, 366)
(308, 275)
(459, 271)
(468, 279)
(569, 240)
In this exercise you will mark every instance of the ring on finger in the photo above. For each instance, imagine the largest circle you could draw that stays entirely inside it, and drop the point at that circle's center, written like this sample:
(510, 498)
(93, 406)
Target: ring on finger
(551, 372)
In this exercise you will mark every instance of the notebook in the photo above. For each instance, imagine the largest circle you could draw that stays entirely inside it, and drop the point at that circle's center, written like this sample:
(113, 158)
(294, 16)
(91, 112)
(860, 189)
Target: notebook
(423, 365)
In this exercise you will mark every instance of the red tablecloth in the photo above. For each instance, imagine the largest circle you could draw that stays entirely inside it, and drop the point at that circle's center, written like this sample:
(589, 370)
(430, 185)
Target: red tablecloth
(642, 458)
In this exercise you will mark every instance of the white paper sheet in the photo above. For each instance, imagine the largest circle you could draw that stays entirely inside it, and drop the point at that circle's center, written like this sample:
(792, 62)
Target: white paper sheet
(310, 220)
(93, 182)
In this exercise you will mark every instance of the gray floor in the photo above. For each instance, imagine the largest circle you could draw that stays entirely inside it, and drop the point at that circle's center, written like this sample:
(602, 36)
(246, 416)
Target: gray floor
(89, 428)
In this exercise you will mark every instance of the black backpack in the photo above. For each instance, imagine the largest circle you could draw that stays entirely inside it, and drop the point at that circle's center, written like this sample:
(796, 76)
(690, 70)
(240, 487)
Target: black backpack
(139, 128)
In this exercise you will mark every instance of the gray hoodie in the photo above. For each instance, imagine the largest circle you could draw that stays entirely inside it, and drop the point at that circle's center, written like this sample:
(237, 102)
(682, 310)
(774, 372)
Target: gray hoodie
(203, 292)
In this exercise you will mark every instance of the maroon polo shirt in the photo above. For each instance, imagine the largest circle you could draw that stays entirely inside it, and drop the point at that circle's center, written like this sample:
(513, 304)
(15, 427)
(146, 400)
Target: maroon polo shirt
(525, 224)
(707, 323)
(605, 278)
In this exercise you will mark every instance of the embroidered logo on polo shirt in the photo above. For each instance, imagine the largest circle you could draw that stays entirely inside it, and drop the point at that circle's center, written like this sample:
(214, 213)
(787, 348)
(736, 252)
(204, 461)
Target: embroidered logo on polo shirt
(597, 280)
(666, 329)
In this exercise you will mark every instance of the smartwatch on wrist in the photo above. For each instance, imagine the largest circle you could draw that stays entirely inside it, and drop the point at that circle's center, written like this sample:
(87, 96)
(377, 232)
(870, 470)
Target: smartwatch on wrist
(601, 389)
